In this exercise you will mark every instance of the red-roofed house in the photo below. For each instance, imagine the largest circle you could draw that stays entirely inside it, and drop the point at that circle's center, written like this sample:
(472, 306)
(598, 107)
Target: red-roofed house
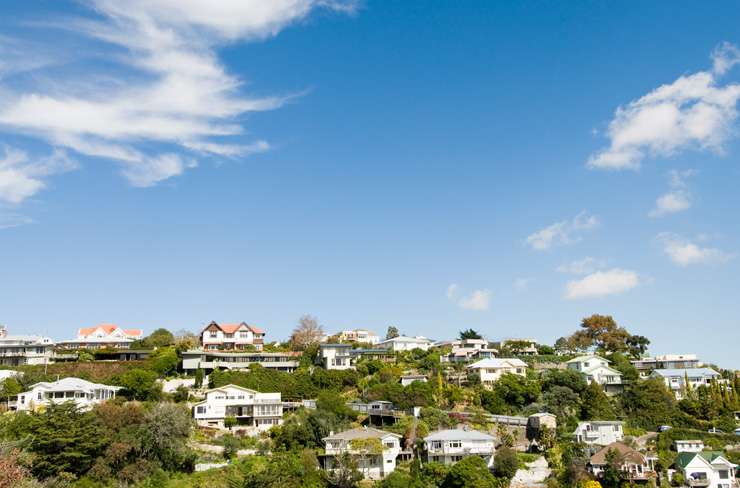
(227, 337)
(102, 336)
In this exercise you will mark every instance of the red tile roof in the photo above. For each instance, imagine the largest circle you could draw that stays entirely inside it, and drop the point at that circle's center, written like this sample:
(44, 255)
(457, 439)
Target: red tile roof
(231, 328)
(109, 328)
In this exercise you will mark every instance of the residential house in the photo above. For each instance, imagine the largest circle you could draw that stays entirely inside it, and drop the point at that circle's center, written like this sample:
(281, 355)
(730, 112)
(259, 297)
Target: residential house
(675, 379)
(103, 336)
(633, 465)
(404, 343)
(467, 350)
(646, 365)
(706, 469)
(491, 369)
(599, 432)
(358, 335)
(254, 411)
(336, 356)
(83, 393)
(232, 337)
(688, 445)
(596, 369)
(194, 360)
(407, 379)
(17, 350)
(375, 451)
(452, 445)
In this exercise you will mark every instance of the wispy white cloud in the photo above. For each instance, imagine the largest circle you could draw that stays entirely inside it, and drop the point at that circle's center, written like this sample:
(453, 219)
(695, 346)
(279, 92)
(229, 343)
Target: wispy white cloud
(582, 266)
(678, 198)
(169, 94)
(685, 252)
(22, 177)
(602, 283)
(695, 111)
(522, 284)
(563, 232)
(478, 300)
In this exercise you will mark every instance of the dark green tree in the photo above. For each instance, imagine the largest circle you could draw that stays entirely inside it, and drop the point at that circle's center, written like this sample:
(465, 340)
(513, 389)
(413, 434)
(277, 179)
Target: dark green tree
(595, 404)
(392, 332)
(505, 463)
(469, 334)
(63, 440)
(471, 472)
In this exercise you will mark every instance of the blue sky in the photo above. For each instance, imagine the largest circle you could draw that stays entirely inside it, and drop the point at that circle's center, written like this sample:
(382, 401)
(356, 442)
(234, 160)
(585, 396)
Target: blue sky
(507, 166)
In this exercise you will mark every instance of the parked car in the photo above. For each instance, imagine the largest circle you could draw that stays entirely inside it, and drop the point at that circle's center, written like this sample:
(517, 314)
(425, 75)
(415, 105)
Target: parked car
(715, 430)
(737, 431)
(664, 428)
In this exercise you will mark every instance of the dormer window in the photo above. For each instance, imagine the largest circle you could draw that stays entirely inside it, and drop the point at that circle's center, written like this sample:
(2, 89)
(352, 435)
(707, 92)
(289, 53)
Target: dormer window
(212, 334)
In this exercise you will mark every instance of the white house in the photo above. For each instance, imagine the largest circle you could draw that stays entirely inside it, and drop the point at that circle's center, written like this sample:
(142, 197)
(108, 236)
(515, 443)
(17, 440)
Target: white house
(688, 445)
(374, 450)
(404, 343)
(20, 349)
(227, 337)
(407, 379)
(708, 469)
(491, 369)
(599, 432)
(358, 335)
(336, 356)
(595, 368)
(254, 411)
(103, 336)
(675, 379)
(83, 393)
(466, 350)
(450, 446)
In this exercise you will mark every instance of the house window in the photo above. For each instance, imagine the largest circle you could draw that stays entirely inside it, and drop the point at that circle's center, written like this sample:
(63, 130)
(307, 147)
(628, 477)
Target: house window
(723, 474)
(243, 334)
(201, 410)
(616, 428)
(455, 444)
(212, 334)
(389, 445)
(229, 336)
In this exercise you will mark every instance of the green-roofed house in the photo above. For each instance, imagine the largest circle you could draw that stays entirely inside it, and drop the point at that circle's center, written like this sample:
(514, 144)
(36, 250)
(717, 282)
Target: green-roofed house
(708, 469)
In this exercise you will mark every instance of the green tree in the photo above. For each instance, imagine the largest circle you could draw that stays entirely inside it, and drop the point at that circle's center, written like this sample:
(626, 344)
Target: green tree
(392, 332)
(469, 334)
(198, 378)
(231, 446)
(163, 437)
(561, 401)
(596, 405)
(397, 479)
(470, 472)
(63, 440)
(505, 463)
(648, 403)
(140, 384)
(602, 332)
(612, 477)
(229, 422)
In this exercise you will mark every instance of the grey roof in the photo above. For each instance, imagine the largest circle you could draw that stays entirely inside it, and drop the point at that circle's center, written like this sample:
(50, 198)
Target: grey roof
(691, 372)
(73, 384)
(458, 434)
(361, 433)
(494, 363)
(601, 422)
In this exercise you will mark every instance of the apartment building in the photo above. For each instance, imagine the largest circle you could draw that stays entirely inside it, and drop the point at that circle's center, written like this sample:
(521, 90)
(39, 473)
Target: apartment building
(18, 350)
(452, 445)
(208, 360)
(646, 365)
(103, 336)
(231, 337)
(254, 411)
(84, 394)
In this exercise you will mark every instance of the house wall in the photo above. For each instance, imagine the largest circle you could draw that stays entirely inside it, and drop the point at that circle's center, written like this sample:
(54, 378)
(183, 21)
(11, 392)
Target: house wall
(599, 434)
